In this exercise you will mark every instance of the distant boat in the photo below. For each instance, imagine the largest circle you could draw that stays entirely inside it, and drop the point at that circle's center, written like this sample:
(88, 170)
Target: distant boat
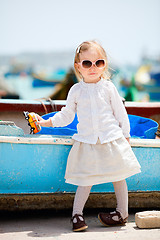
(50, 80)
(6, 92)
(153, 88)
(18, 70)
(150, 80)
(156, 77)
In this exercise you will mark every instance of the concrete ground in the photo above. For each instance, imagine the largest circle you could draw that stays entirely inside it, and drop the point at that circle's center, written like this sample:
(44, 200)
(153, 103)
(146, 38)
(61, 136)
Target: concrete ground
(45, 225)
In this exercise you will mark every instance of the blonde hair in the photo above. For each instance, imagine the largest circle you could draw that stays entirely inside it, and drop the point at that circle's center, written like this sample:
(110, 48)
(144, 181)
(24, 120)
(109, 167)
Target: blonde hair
(84, 47)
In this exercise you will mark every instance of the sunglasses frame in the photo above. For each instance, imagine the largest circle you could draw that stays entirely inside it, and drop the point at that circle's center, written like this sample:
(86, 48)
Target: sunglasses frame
(93, 63)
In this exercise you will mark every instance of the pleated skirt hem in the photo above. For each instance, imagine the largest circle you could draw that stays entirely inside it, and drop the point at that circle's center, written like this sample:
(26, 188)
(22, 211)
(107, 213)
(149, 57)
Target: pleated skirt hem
(90, 181)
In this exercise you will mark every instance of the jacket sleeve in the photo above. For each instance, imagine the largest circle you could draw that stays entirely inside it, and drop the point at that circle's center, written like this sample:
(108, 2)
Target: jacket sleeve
(119, 111)
(67, 113)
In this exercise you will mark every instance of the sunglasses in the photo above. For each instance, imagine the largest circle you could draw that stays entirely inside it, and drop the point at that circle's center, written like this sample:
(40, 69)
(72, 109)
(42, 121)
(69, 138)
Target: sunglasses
(100, 63)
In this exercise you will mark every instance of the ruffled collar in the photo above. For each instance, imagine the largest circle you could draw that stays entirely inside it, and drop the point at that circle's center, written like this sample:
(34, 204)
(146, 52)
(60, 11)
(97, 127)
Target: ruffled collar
(92, 84)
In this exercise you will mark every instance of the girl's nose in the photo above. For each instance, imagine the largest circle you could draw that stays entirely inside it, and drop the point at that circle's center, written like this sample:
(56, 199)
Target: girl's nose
(93, 66)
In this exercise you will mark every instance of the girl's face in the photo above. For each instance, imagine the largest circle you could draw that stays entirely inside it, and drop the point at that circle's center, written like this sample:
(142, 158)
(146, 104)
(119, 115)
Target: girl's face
(93, 74)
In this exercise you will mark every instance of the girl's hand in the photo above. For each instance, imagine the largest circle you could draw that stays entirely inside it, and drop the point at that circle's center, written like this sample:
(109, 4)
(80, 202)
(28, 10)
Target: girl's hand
(42, 122)
(39, 118)
(45, 123)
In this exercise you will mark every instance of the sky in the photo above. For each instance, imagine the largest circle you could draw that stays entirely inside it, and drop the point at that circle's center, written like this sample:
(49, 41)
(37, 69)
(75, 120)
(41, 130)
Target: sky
(125, 28)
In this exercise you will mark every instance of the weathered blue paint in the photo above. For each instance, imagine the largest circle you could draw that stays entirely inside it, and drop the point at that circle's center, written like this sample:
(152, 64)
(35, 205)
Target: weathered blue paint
(7, 130)
(39, 167)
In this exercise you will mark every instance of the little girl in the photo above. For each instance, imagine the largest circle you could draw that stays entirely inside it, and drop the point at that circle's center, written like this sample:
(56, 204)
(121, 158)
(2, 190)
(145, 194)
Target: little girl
(101, 151)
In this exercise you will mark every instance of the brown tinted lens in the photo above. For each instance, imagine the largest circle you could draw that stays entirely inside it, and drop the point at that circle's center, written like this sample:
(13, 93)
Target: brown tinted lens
(86, 64)
(100, 63)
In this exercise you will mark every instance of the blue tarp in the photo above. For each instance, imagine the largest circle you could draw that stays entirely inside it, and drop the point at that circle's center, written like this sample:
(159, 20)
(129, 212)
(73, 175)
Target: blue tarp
(68, 130)
(140, 127)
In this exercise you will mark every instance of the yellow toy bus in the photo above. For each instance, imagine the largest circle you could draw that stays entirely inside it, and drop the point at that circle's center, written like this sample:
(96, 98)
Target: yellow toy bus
(32, 122)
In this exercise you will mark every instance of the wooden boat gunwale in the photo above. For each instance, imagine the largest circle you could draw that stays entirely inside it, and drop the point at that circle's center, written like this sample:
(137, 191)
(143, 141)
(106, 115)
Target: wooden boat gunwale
(144, 109)
(67, 140)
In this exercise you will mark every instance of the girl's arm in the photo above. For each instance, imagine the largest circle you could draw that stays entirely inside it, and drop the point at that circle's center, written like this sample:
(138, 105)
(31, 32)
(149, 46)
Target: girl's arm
(63, 117)
(120, 111)
(67, 113)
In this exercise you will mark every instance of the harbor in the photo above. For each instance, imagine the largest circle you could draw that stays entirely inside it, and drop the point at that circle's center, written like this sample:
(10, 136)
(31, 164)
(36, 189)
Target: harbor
(108, 54)
(33, 166)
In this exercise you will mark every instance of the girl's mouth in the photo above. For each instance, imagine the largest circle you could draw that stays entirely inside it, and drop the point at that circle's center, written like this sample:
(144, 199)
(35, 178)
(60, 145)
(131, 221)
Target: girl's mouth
(92, 73)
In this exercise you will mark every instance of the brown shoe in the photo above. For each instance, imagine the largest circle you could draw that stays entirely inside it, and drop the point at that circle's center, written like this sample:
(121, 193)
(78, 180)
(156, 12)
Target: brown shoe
(79, 224)
(112, 219)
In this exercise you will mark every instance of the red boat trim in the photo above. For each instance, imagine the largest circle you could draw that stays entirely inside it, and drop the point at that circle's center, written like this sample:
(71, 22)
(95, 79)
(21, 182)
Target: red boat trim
(144, 109)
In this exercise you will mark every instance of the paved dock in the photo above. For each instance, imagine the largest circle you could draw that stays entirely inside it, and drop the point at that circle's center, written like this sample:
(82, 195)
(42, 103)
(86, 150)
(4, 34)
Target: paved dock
(56, 225)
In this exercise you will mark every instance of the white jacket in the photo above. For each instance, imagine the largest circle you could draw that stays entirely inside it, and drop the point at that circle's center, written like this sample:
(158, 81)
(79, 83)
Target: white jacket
(100, 111)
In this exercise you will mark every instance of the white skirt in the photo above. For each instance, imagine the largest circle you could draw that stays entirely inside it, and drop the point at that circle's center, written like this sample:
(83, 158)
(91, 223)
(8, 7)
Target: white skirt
(91, 164)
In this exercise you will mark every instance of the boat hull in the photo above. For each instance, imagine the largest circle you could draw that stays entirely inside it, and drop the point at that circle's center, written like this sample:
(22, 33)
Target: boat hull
(37, 165)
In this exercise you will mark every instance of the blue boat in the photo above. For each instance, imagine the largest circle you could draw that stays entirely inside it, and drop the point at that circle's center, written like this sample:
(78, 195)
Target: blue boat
(50, 80)
(153, 89)
(34, 166)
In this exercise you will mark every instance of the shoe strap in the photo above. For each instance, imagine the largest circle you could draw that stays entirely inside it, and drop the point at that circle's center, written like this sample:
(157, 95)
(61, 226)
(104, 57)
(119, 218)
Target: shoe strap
(77, 217)
(116, 213)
